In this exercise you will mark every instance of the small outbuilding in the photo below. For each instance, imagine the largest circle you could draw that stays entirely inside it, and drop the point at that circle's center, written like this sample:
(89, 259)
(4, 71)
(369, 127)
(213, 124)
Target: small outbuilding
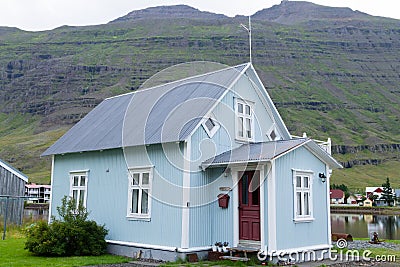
(12, 186)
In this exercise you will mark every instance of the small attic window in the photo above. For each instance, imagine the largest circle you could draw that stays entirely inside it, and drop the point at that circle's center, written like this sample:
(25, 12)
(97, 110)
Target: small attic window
(272, 135)
(211, 126)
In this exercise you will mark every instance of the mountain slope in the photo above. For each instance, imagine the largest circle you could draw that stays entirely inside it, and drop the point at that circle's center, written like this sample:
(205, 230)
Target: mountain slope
(296, 12)
(337, 77)
(168, 12)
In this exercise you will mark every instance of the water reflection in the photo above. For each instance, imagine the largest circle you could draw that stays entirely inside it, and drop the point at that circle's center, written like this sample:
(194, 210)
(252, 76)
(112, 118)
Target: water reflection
(362, 225)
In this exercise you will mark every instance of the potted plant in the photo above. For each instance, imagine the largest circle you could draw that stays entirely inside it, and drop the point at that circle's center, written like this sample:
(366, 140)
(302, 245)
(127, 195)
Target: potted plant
(225, 247)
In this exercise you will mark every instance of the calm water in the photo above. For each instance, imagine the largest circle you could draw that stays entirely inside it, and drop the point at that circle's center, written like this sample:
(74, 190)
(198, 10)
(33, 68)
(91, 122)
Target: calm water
(387, 226)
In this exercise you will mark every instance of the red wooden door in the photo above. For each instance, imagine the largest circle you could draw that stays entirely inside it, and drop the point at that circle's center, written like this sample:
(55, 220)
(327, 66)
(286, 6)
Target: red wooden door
(249, 206)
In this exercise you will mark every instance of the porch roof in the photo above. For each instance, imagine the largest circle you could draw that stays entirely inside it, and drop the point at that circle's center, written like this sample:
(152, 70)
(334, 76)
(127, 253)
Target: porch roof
(267, 151)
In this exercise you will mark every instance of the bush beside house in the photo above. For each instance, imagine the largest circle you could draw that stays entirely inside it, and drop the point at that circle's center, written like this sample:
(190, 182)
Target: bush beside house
(71, 235)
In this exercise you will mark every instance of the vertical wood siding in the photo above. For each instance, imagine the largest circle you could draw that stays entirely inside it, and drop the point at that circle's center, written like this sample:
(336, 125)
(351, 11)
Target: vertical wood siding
(290, 234)
(107, 196)
(11, 185)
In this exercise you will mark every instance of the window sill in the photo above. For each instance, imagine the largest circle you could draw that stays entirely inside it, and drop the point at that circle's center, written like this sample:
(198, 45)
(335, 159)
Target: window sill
(304, 220)
(244, 140)
(138, 218)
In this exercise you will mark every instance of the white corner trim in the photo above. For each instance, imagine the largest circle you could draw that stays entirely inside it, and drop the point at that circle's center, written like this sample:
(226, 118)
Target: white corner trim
(235, 204)
(51, 191)
(272, 245)
(186, 194)
(262, 206)
(328, 207)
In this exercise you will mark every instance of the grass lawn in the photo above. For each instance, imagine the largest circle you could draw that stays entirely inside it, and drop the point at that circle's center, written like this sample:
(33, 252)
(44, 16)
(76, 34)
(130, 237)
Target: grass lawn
(384, 251)
(12, 253)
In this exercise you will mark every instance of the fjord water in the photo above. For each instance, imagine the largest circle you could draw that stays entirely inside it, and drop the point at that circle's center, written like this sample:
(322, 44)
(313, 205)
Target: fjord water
(362, 225)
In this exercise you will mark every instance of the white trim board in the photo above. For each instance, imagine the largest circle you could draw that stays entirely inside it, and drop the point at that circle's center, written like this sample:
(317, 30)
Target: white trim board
(13, 171)
(186, 194)
(151, 246)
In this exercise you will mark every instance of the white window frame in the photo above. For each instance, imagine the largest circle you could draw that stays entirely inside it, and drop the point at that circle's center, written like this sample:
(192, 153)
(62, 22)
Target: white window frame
(211, 132)
(303, 190)
(78, 187)
(244, 117)
(140, 187)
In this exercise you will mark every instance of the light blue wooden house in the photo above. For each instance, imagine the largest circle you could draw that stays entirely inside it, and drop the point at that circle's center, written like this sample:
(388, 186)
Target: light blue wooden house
(173, 169)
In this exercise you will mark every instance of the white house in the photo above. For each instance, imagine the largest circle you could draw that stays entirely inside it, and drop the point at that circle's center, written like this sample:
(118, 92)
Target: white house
(37, 193)
(151, 165)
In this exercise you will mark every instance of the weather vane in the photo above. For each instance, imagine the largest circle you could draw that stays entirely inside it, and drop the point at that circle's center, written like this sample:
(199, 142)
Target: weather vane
(249, 31)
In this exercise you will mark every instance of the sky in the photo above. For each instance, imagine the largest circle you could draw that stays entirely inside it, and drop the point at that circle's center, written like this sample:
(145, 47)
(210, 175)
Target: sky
(38, 15)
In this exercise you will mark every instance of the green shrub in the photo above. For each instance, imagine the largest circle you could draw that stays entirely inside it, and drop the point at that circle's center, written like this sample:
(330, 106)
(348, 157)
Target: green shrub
(72, 234)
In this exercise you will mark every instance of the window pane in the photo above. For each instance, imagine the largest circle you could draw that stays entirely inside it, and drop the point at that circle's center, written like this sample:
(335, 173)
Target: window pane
(255, 197)
(245, 190)
(305, 184)
(298, 181)
(145, 178)
(145, 202)
(240, 126)
(210, 124)
(299, 211)
(248, 110)
(76, 180)
(248, 128)
(75, 196)
(135, 199)
(82, 197)
(135, 179)
(240, 108)
(306, 204)
(83, 181)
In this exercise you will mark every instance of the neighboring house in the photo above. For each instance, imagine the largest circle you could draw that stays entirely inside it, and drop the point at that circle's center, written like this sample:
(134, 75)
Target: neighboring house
(12, 186)
(352, 200)
(151, 164)
(377, 191)
(367, 203)
(397, 192)
(37, 193)
(337, 196)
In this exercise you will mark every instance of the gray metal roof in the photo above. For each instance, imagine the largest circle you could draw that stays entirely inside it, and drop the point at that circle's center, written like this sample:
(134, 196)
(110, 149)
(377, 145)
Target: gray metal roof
(266, 151)
(161, 114)
(253, 152)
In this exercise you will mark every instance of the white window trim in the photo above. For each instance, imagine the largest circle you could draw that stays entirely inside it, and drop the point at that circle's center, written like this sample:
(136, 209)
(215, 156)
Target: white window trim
(214, 129)
(251, 117)
(303, 218)
(139, 216)
(79, 187)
